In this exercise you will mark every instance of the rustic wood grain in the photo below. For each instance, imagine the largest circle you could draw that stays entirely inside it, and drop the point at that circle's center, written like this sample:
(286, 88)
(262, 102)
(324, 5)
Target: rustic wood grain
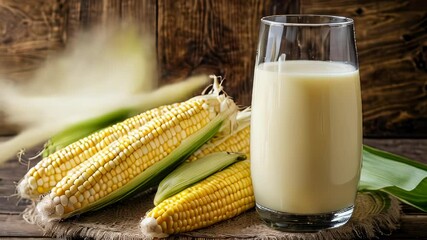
(10, 173)
(411, 148)
(84, 14)
(411, 227)
(28, 238)
(220, 37)
(392, 44)
(32, 30)
(15, 228)
(13, 225)
(214, 37)
(29, 31)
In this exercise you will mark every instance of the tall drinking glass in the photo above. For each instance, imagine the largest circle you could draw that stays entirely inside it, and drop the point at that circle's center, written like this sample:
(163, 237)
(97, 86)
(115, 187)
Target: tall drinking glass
(306, 129)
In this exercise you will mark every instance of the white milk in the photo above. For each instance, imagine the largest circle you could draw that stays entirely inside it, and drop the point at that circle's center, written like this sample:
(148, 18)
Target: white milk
(306, 136)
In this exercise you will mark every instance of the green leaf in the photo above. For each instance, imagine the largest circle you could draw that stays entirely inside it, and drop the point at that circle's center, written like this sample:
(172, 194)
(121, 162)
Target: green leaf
(154, 174)
(401, 177)
(83, 129)
(190, 173)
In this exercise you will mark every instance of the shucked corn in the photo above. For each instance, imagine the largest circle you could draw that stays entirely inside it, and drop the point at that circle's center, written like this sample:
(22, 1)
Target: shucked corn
(189, 173)
(47, 173)
(133, 160)
(219, 197)
(237, 141)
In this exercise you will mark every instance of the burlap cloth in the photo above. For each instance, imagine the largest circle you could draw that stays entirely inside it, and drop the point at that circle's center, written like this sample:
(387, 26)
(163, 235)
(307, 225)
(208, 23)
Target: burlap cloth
(374, 215)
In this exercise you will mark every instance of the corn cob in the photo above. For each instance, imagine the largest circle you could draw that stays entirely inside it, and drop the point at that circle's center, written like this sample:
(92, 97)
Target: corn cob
(135, 161)
(163, 96)
(219, 197)
(48, 172)
(190, 173)
(83, 129)
(237, 141)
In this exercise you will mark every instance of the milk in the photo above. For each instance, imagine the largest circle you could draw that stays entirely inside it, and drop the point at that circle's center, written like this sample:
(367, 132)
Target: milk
(306, 136)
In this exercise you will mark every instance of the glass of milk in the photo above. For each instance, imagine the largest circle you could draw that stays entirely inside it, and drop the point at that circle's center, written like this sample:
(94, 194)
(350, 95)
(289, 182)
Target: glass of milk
(306, 129)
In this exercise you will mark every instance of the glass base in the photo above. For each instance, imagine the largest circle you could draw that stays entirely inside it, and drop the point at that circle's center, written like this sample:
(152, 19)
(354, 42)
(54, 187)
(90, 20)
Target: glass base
(289, 222)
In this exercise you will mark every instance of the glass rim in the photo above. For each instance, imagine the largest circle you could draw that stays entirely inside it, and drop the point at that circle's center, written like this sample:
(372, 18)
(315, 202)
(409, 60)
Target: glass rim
(270, 21)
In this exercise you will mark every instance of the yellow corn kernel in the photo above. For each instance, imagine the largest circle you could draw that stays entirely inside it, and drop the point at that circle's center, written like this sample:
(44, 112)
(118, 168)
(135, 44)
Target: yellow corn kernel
(59, 163)
(192, 208)
(236, 141)
(123, 161)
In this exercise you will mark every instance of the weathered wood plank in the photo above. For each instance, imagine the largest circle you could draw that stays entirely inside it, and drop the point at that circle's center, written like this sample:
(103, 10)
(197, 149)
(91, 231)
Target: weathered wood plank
(411, 227)
(26, 238)
(409, 210)
(412, 148)
(392, 44)
(220, 37)
(214, 37)
(84, 14)
(29, 31)
(15, 226)
(10, 173)
(32, 30)
(141, 13)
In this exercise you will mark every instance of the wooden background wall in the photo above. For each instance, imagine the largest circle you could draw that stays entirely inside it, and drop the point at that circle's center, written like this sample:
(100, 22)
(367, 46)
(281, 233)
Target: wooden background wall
(219, 37)
(392, 44)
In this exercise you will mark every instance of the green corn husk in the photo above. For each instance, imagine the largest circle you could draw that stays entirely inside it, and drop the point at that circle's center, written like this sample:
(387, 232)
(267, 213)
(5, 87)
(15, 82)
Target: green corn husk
(190, 173)
(151, 176)
(167, 94)
(148, 178)
(154, 174)
(396, 175)
(83, 129)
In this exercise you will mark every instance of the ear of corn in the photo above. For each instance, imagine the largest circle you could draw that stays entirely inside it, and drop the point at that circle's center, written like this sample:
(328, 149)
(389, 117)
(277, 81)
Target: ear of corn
(237, 141)
(82, 129)
(221, 196)
(181, 91)
(155, 173)
(190, 173)
(49, 171)
(137, 160)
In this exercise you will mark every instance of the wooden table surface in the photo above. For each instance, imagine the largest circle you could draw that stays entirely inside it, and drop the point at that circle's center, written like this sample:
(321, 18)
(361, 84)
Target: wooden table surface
(12, 226)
